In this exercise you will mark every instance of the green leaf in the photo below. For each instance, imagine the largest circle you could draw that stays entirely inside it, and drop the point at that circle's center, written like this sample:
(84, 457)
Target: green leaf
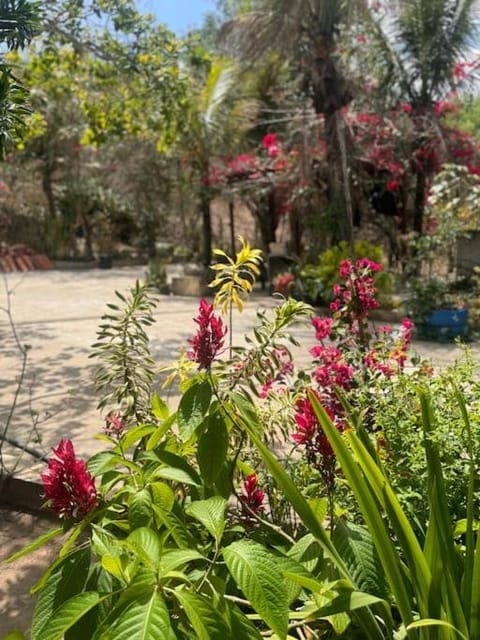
(241, 627)
(430, 622)
(103, 461)
(172, 560)
(162, 495)
(36, 544)
(206, 620)
(288, 567)
(211, 513)
(308, 551)
(68, 614)
(177, 475)
(192, 408)
(159, 407)
(255, 571)
(145, 542)
(212, 448)
(144, 618)
(135, 434)
(175, 527)
(159, 432)
(355, 545)
(14, 635)
(66, 580)
(177, 462)
(140, 510)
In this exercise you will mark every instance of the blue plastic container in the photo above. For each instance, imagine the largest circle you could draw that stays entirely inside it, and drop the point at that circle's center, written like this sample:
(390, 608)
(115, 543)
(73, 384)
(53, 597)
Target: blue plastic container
(447, 324)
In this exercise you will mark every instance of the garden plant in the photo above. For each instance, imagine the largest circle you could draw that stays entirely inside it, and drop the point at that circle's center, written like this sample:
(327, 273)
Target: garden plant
(334, 501)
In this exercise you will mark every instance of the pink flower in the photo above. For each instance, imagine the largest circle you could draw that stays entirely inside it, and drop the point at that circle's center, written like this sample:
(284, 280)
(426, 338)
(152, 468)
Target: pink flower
(114, 425)
(323, 327)
(210, 336)
(270, 140)
(69, 487)
(392, 185)
(406, 108)
(252, 498)
(309, 433)
(361, 38)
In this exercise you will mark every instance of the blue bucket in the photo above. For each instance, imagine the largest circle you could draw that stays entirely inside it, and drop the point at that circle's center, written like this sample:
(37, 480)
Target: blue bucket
(447, 324)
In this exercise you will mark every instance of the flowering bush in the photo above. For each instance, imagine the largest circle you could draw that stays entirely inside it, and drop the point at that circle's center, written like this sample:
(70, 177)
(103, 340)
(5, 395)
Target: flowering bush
(178, 529)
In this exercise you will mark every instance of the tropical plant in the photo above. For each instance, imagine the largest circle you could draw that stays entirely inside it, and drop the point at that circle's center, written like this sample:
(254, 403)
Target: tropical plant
(18, 24)
(216, 124)
(309, 31)
(434, 580)
(418, 48)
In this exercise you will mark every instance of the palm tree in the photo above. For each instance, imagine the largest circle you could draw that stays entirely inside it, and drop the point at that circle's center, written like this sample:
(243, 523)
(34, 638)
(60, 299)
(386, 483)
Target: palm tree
(308, 32)
(216, 124)
(18, 22)
(417, 45)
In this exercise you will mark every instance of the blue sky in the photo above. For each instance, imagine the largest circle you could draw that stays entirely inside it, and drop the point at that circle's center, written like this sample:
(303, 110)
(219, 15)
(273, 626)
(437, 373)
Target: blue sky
(179, 15)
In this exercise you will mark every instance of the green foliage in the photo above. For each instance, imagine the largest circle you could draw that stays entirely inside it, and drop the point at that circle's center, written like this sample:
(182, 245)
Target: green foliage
(434, 561)
(125, 377)
(179, 545)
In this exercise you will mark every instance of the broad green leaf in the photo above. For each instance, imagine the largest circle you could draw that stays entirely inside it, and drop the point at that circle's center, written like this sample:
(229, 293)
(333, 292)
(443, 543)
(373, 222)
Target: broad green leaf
(212, 448)
(170, 459)
(175, 527)
(135, 434)
(68, 614)
(211, 513)
(241, 627)
(159, 407)
(144, 618)
(207, 622)
(255, 571)
(140, 509)
(159, 432)
(146, 544)
(308, 551)
(66, 580)
(355, 545)
(288, 566)
(162, 495)
(103, 461)
(177, 475)
(36, 544)
(103, 542)
(193, 408)
(172, 560)
(115, 566)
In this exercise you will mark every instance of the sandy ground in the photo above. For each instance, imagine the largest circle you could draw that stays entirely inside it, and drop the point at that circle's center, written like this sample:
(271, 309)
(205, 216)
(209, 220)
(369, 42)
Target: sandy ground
(57, 313)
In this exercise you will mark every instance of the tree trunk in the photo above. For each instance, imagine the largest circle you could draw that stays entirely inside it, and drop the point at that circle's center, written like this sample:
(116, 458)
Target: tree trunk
(338, 180)
(205, 207)
(47, 185)
(419, 204)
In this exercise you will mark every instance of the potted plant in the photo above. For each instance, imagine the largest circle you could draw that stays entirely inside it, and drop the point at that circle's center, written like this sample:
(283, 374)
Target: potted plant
(436, 309)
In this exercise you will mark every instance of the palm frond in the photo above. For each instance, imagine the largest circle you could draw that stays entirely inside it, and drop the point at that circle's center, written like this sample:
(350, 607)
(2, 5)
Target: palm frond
(18, 22)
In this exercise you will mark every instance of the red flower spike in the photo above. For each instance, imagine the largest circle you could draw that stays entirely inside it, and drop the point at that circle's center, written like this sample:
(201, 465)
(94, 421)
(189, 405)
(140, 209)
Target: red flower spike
(210, 336)
(252, 498)
(68, 486)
